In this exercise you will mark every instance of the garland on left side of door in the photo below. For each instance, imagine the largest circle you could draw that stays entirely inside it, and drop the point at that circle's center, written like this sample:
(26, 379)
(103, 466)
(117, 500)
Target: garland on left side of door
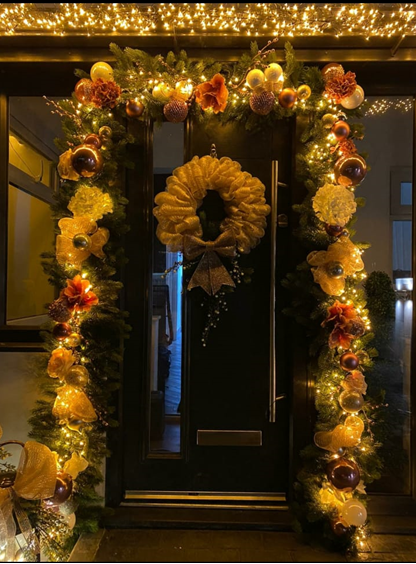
(83, 338)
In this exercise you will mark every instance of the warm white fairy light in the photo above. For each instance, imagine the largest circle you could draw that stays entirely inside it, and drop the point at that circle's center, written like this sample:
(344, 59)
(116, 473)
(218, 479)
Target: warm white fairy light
(381, 106)
(255, 19)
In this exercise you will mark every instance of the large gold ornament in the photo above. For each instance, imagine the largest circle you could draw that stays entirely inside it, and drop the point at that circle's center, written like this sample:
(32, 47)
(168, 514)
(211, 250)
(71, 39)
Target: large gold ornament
(331, 267)
(72, 403)
(243, 196)
(90, 201)
(334, 205)
(67, 248)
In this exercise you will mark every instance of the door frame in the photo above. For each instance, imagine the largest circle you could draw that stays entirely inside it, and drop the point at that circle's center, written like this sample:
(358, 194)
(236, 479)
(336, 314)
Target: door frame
(21, 58)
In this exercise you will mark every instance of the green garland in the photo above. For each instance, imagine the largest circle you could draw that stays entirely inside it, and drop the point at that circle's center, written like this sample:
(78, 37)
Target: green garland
(103, 327)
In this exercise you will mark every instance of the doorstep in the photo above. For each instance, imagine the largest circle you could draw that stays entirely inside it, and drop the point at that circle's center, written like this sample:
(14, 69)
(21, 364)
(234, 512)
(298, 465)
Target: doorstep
(86, 547)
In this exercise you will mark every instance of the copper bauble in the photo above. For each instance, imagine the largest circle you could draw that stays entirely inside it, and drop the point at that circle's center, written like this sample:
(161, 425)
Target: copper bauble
(304, 91)
(331, 70)
(74, 340)
(343, 474)
(94, 140)
(83, 90)
(339, 527)
(349, 361)
(87, 160)
(262, 103)
(77, 376)
(334, 230)
(175, 111)
(134, 108)
(341, 130)
(350, 170)
(63, 489)
(287, 98)
(61, 331)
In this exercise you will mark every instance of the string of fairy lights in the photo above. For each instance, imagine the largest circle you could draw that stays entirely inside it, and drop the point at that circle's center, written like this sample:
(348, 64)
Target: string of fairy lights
(254, 19)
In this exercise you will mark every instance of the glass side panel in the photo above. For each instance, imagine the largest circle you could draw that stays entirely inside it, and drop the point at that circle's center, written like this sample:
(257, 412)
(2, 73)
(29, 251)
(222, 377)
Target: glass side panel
(389, 143)
(166, 342)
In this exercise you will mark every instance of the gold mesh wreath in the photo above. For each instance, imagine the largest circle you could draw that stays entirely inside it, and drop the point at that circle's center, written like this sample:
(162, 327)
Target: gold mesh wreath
(243, 196)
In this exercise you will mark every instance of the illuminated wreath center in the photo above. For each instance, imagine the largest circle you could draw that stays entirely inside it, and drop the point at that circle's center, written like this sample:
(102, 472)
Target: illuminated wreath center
(243, 196)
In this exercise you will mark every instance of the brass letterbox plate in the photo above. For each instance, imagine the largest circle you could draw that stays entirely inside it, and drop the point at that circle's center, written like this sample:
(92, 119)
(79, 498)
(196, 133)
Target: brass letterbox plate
(209, 437)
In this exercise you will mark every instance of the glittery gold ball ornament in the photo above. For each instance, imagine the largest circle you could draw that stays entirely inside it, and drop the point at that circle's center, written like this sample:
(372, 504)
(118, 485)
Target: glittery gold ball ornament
(328, 120)
(262, 104)
(74, 340)
(82, 91)
(332, 70)
(255, 78)
(175, 111)
(101, 70)
(134, 108)
(273, 72)
(82, 241)
(77, 376)
(105, 132)
(304, 91)
(287, 98)
(87, 160)
(94, 140)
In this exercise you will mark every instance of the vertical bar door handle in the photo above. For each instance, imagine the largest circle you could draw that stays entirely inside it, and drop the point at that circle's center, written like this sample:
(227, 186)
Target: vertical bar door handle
(273, 231)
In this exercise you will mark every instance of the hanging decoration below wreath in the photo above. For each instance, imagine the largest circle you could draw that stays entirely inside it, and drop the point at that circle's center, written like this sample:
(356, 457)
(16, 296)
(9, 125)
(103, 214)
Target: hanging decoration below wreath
(180, 227)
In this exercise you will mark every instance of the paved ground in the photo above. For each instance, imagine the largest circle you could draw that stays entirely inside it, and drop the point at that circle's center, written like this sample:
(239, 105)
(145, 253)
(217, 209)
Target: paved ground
(141, 545)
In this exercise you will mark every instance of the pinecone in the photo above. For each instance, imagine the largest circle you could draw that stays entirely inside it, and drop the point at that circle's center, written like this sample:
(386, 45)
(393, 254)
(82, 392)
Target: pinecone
(262, 103)
(175, 111)
(347, 147)
(105, 93)
(356, 327)
(59, 312)
(340, 87)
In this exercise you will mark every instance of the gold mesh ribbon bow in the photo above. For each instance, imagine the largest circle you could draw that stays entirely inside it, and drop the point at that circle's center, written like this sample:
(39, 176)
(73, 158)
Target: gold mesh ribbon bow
(35, 479)
(210, 274)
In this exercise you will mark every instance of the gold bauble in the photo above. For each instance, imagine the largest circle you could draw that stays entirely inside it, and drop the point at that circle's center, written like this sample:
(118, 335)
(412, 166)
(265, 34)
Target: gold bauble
(161, 92)
(304, 91)
(273, 72)
(105, 132)
(183, 90)
(77, 376)
(82, 91)
(255, 78)
(134, 108)
(328, 120)
(101, 70)
(73, 340)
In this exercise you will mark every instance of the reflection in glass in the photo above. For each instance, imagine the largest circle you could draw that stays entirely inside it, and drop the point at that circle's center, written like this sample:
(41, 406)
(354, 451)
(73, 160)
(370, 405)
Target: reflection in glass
(32, 181)
(386, 222)
(166, 342)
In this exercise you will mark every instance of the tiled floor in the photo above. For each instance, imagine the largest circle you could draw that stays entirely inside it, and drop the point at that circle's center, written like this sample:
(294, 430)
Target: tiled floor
(141, 545)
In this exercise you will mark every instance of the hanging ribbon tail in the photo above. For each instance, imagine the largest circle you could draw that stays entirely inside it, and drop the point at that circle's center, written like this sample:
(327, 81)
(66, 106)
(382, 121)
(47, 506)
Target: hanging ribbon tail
(7, 527)
(26, 529)
(210, 274)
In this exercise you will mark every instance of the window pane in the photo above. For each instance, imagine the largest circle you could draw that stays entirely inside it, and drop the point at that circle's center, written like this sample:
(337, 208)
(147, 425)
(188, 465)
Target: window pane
(32, 180)
(166, 357)
(389, 143)
(406, 193)
(30, 233)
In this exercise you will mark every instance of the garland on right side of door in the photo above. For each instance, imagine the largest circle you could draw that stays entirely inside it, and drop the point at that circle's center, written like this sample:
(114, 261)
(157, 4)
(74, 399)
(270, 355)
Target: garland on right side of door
(330, 303)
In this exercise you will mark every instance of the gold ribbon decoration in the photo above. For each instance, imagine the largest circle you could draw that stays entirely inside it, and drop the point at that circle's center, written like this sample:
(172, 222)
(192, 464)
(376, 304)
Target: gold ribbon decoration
(35, 479)
(210, 274)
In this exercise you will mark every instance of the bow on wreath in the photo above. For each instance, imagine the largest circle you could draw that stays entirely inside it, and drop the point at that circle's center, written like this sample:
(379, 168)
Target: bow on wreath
(35, 479)
(210, 274)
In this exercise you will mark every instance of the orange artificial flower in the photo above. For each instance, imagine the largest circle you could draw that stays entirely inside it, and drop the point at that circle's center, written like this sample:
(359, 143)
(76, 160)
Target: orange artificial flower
(60, 362)
(212, 94)
(77, 294)
(347, 325)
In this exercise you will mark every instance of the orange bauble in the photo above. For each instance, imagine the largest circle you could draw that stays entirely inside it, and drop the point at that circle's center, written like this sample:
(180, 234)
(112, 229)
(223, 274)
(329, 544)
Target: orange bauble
(83, 91)
(287, 98)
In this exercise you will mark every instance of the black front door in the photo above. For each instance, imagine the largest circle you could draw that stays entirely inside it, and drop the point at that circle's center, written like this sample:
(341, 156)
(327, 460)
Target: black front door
(206, 419)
